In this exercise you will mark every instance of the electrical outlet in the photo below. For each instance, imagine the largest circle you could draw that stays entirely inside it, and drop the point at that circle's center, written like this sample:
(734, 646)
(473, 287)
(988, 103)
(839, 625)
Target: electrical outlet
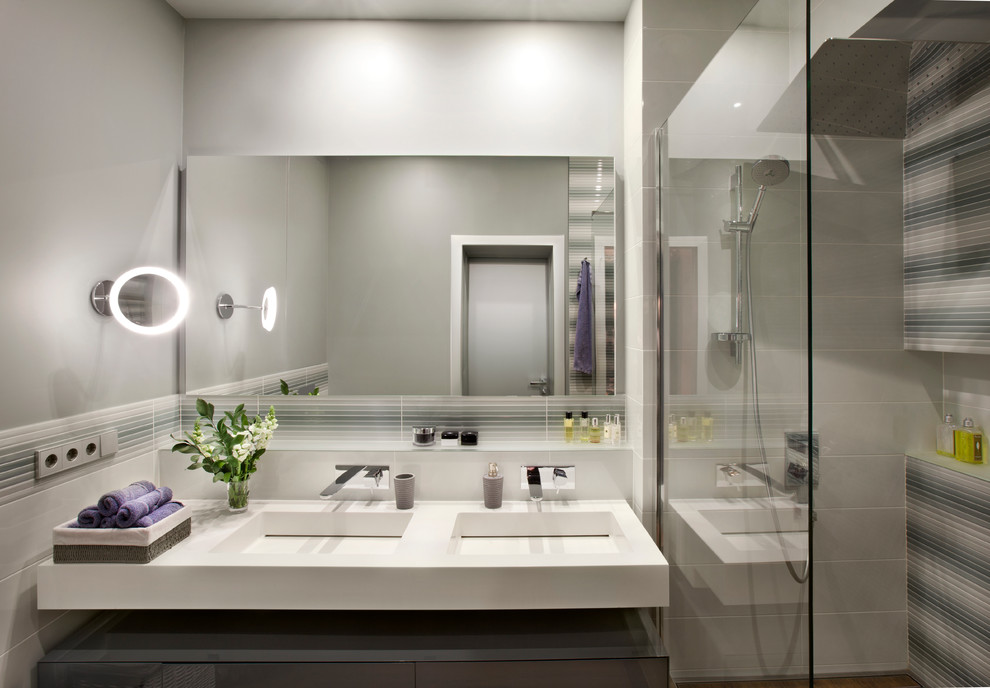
(48, 462)
(81, 451)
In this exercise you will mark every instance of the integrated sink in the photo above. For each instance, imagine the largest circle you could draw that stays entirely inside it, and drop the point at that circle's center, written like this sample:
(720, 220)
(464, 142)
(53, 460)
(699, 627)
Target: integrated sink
(756, 520)
(589, 532)
(301, 532)
(743, 531)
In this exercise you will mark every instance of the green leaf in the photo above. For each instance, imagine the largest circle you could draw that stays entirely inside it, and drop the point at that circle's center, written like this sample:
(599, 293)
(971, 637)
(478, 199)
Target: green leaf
(284, 386)
(204, 408)
(185, 449)
(192, 467)
(315, 392)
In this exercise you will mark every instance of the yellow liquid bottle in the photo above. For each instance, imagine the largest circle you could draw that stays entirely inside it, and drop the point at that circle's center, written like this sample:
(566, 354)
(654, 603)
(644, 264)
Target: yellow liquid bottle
(568, 427)
(596, 432)
(969, 443)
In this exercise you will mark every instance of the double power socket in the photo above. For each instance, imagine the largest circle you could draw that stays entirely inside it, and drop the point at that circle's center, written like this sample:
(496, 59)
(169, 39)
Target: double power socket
(53, 460)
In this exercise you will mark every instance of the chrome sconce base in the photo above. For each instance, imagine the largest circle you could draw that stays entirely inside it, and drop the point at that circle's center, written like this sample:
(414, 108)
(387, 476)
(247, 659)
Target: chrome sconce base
(268, 307)
(99, 298)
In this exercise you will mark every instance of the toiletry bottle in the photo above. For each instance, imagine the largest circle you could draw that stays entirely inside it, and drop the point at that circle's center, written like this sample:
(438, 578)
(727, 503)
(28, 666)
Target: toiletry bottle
(969, 442)
(672, 427)
(616, 430)
(682, 430)
(568, 427)
(607, 429)
(707, 427)
(692, 426)
(585, 427)
(595, 435)
(945, 437)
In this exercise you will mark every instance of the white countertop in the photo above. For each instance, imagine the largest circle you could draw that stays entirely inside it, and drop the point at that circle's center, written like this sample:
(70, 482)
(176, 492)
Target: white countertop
(450, 555)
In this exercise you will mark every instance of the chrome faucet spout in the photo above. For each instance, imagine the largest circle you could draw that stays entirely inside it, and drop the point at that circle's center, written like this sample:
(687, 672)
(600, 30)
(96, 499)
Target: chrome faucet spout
(535, 483)
(335, 487)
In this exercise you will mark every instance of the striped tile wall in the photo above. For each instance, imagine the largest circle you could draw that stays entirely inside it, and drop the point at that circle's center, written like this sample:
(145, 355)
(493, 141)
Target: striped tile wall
(591, 214)
(947, 199)
(948, 536)
(140, 426)
(390, 418)
(317, 375)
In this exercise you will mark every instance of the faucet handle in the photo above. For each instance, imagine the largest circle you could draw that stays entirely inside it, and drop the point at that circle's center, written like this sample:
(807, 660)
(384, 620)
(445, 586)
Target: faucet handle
(557, 477)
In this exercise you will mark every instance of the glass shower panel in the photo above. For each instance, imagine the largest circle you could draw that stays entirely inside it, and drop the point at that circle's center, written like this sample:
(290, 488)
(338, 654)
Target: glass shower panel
(736, 470)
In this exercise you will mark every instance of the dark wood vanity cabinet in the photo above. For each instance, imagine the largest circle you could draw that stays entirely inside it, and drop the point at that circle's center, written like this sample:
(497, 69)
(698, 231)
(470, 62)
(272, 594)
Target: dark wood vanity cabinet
(613, 648)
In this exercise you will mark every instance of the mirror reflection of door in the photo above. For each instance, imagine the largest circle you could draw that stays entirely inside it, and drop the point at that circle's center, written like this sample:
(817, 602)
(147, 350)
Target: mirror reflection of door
(508, 327)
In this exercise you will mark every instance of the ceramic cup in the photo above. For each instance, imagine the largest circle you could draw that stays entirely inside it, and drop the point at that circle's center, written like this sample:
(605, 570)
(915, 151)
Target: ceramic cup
(405, 487)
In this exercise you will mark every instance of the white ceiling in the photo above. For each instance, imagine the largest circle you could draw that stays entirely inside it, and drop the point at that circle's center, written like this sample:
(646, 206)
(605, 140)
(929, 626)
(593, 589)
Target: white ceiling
(461, 10)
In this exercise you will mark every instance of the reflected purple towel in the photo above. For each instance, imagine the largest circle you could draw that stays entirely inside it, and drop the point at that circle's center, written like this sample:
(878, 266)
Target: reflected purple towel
(111, 502)
(584, 331)
(134, 510)
(158, 514)
(89, 518)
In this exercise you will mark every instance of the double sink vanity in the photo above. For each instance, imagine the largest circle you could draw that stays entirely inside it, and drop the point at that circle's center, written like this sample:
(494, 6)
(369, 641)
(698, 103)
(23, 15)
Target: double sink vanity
(369, 555)
(338, 592)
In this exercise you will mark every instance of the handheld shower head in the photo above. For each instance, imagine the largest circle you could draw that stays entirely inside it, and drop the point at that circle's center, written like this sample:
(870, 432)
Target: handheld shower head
(771, 170)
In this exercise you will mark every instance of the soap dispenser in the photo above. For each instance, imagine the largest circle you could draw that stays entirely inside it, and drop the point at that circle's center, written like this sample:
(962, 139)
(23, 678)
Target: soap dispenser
(945, 441)
(493, 487)
(969, 442)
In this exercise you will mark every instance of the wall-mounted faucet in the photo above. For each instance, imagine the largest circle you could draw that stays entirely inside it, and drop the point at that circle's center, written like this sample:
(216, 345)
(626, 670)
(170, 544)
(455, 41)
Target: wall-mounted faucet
(375, 478)
(535, 478)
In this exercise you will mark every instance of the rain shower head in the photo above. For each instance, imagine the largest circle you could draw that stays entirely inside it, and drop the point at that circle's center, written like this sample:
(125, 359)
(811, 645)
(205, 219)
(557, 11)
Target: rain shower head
(771, 170)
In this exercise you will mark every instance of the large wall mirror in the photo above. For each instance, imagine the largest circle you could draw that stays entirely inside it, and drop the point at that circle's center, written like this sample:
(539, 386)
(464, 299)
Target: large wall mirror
(401, 275)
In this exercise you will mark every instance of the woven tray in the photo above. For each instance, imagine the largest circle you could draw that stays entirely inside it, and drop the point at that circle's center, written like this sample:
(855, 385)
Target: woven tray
(120, 545)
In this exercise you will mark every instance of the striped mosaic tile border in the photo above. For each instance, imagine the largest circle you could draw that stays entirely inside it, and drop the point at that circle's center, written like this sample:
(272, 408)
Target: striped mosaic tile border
(948, 536)
(947, 199)
(140, 428)
(315, 375)
(390, 418)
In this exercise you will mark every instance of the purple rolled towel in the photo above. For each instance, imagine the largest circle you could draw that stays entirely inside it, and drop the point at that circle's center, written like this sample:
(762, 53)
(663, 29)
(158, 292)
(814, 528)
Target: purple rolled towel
(108, 522)
(136, 509)
(158, 514)
(89, 518)
(111, 502)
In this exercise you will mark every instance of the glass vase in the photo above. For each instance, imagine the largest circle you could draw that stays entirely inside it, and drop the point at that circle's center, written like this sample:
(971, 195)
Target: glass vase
(237, 495)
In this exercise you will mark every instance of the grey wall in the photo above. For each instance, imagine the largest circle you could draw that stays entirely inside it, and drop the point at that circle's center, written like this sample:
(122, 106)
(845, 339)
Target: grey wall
(251, 223)
(391, 220)
(873, 401)
(403, 88)
(90, 129)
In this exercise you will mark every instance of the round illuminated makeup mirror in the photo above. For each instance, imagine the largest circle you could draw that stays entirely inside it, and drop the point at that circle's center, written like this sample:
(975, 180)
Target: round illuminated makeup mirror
(145, 300)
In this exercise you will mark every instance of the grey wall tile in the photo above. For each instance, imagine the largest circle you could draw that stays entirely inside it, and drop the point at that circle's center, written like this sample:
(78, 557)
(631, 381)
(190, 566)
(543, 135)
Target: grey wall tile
(851, 534)
(877, 376)
(659, 100)
(857, 270)
(857, 164)
(860, 218)
(679, 55)
(860, 481)
(861, 586)
(854, 322)
(859, 429)
(698, 14)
